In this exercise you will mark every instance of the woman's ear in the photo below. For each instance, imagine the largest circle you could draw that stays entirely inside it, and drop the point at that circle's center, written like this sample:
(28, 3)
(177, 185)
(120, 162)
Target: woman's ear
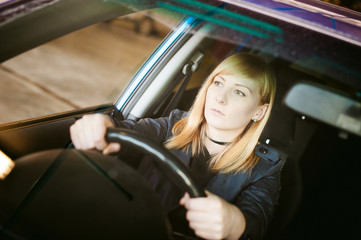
(261, 111)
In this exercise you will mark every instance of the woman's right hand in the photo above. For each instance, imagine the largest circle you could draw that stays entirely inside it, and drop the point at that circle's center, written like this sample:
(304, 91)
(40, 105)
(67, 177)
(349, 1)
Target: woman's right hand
(89, 133)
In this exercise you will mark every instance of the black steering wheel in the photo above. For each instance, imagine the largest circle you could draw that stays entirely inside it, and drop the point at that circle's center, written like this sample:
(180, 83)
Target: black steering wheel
(73, 194)
(167, 162)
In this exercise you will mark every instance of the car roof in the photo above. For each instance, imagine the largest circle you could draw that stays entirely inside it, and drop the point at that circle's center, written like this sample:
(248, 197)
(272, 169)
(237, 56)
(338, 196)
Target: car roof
(329, 19)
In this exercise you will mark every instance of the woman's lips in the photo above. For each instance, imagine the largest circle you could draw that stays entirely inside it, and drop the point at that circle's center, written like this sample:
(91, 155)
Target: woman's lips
(217, 112)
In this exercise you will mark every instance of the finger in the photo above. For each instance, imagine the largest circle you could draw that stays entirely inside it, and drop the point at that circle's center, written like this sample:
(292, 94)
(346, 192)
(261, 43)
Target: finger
(73, 136)
(79, 135)
(207, 217)
(97, 124)
(111, 148)
(184, 199)
(211, 229)
(86, 136)
(209, 235)
(203, 204)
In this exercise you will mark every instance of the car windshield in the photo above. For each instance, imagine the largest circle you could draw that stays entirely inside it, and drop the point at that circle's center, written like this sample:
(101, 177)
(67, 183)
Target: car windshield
(92, 66)
(318, 56)
(89, 67)
(145, 58)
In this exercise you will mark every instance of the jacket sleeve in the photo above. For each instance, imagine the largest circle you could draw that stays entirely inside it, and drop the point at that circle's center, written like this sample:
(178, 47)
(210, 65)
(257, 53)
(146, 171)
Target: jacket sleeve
(257, 202)
(157, 130)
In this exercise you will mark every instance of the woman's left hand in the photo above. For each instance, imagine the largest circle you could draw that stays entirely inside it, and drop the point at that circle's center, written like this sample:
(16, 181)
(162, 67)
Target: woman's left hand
(213, 218)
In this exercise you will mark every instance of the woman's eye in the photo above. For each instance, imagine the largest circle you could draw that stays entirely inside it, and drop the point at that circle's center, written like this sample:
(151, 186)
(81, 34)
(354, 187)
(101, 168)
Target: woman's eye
(238, 92)
(218, 84)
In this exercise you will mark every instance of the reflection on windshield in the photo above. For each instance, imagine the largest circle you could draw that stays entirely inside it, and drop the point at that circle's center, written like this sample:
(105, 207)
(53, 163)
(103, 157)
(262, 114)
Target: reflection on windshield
(10, 10)
(226, 18)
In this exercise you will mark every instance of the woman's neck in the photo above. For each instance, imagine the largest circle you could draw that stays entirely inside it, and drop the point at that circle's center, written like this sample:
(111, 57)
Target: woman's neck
(217, 142)
(212, 147)
(221, 136)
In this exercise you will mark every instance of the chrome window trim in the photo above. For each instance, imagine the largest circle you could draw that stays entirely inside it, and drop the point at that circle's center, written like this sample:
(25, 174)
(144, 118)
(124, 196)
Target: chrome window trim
(165, 77)
(140, 76)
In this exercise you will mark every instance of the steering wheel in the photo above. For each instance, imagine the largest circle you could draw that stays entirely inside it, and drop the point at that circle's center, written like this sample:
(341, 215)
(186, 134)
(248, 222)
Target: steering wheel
(167, 162)
(170, 165)
(72, 194)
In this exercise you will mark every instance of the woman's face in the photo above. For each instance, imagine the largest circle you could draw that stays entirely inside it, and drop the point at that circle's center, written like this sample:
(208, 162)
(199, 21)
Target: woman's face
(231, 103)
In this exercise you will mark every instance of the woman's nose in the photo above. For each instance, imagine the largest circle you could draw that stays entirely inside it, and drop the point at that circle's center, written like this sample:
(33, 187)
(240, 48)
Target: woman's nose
(221, 98)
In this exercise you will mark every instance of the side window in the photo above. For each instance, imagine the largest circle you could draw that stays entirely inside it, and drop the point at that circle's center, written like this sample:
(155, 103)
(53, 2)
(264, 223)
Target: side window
(83, 69)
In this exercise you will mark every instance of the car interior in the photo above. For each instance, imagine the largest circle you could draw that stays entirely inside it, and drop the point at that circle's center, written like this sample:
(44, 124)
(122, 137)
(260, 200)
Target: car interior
(320, 179)
(303, 140)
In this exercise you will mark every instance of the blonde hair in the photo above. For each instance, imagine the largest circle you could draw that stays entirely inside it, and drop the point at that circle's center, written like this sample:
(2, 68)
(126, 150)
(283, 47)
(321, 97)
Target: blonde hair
(238, 155)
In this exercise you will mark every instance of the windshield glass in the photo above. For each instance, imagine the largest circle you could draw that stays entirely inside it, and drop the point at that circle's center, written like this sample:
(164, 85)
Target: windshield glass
(305, 49)
(86, 68)
(149, 63)
(92, 66)
(310, 40)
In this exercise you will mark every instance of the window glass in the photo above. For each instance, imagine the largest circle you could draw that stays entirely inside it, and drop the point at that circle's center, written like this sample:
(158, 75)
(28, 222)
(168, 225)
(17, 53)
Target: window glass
(86, 68)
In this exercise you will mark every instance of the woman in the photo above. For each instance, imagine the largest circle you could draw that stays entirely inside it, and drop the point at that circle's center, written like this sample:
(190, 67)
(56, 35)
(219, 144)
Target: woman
(218, 140)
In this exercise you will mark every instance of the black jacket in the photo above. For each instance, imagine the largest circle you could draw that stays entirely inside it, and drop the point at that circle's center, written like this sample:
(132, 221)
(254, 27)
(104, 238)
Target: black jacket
(254, 193)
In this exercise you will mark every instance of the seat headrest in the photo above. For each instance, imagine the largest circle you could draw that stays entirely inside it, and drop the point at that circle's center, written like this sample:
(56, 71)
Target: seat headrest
(280, 128)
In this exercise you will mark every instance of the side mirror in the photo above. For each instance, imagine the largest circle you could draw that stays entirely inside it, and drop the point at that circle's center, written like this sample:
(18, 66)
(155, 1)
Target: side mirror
(326, 105)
